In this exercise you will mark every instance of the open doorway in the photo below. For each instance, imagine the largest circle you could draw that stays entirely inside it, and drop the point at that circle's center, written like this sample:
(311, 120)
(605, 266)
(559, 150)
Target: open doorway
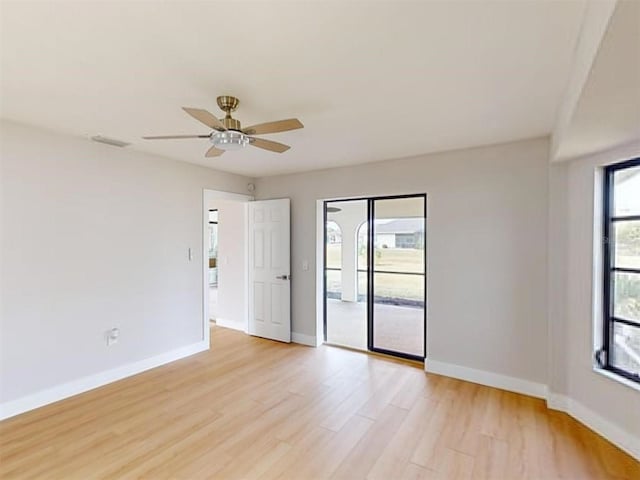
(213, 265)
(225, 260)
(375, 274)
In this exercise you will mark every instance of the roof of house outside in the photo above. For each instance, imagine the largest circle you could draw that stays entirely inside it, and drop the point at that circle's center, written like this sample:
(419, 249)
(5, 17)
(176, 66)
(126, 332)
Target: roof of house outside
(401, 225)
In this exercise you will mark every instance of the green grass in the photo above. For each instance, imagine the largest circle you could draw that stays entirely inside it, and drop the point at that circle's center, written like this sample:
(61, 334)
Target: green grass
(386, 259)
(386, 284)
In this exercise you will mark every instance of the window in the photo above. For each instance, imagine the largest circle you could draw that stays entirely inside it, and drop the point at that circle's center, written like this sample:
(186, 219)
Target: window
(620, 352)
(405, 240)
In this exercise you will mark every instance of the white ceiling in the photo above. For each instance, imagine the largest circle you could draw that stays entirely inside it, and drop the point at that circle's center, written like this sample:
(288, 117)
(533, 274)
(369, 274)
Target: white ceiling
(370, 80)
(608, 111)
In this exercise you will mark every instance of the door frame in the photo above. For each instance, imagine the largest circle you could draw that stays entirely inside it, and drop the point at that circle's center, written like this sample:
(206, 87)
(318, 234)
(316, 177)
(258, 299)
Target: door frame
(210, 195)
(322, 260)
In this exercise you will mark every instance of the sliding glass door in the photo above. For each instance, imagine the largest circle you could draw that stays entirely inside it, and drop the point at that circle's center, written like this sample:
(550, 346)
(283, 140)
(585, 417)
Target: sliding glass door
(397, 276)
(345, 280)
(375, 268)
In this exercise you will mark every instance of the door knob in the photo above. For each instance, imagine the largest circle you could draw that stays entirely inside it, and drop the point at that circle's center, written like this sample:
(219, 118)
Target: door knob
(283, 277)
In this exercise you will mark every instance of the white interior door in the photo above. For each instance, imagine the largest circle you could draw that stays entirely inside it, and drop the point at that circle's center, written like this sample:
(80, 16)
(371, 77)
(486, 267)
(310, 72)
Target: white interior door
(269, 270)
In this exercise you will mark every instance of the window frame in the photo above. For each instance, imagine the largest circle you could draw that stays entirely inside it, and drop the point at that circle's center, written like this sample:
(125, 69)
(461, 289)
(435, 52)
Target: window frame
(603, 355)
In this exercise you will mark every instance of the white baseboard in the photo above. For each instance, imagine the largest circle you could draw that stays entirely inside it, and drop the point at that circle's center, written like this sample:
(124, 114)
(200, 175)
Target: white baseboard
(619, 437)
(555, 401)
(303, 339)
(233, 324)
(616, 435)
(490, 379)
(60, 392)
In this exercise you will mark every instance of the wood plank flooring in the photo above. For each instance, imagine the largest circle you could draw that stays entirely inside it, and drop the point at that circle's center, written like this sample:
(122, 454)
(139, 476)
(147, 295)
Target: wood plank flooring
(252, 408)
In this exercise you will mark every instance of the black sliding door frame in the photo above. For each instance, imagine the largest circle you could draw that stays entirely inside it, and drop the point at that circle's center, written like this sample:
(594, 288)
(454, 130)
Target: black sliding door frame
(372, 274)
(324, 253)
(371, 271)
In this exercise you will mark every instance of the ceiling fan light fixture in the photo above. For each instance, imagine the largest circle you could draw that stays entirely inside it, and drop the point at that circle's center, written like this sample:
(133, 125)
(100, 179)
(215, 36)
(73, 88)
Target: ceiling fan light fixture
(229, 140)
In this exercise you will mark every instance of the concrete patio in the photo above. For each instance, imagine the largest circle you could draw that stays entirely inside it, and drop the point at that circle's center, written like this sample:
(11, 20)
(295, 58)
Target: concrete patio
(400, 329)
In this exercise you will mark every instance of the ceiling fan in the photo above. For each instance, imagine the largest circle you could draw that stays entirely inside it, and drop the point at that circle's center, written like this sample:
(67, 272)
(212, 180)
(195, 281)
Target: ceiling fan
(227, 134)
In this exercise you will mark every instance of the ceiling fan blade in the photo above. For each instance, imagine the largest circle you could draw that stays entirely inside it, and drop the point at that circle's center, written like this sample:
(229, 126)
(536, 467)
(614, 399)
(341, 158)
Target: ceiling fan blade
(214, 152)
(274, 127)
(168, 137)
(205, 117)
(268, 145)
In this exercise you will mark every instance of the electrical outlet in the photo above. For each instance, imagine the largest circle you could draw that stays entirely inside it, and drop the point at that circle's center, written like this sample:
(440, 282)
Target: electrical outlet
(112, 336)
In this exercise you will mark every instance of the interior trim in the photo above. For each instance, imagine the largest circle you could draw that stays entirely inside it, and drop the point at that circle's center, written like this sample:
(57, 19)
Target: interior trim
(490, 379)
(620, 438)
(84, 384)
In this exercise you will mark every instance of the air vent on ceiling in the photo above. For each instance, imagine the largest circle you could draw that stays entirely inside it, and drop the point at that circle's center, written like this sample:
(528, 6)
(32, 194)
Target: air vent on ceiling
(110, 141)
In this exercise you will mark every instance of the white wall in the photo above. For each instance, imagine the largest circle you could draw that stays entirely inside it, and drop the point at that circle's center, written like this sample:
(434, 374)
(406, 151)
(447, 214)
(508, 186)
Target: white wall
(602, 111)
(595, 22)
(232, 263)
(606, 405)
(486, 248)
(558, 237)
(95, 237)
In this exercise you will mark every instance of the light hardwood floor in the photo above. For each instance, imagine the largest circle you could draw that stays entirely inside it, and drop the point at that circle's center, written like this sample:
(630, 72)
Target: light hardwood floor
(252, 408)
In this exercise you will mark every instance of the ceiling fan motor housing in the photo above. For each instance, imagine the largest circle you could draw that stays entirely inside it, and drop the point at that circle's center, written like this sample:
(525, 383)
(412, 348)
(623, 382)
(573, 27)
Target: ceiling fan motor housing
(229, 104)
(231, 123)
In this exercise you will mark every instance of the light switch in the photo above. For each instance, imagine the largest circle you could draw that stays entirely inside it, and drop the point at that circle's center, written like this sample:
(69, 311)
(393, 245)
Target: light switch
(305, 265)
